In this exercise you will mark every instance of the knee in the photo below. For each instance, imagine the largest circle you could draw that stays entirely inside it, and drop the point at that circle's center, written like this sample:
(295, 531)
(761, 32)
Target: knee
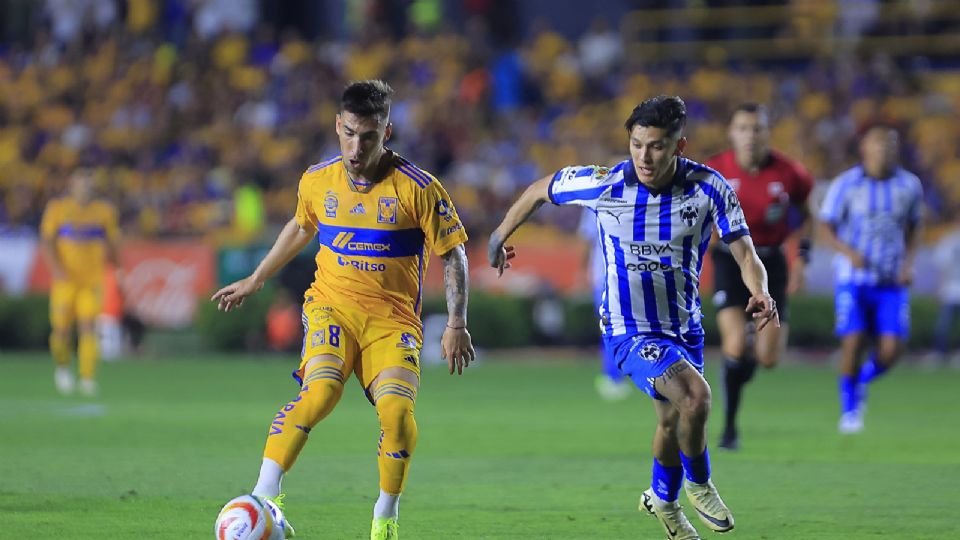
(318, 397)
(769, 359)
(396, 415)
(734, 347)
(888, 352)
(696, 405)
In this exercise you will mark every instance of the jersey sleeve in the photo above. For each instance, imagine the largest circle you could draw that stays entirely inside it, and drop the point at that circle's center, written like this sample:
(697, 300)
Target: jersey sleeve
(50, 221)
(438, 218)
(833, 208)
(580, 186)
(725, 209)
(305, 215)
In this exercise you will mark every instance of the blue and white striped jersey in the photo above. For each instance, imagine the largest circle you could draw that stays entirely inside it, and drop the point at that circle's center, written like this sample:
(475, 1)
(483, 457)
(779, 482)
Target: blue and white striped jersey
(872, 216)
(653, 243)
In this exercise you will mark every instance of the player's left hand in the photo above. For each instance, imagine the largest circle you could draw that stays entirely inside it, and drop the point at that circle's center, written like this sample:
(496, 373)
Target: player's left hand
(456, 347)
(764, 310)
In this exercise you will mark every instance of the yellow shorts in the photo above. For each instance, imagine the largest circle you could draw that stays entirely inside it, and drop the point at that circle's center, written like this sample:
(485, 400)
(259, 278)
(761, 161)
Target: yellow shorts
(366, 343)
(71, 302)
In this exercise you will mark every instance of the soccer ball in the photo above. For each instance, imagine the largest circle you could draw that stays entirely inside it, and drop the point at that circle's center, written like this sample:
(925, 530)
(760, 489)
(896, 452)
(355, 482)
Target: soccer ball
(249, 517)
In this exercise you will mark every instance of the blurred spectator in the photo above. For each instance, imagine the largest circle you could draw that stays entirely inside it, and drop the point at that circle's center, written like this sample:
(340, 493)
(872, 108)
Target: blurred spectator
(947, 256)
(184, 105)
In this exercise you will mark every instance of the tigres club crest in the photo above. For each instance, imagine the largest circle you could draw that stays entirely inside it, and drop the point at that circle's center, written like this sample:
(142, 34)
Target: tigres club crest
(387, 210)
(330, 204)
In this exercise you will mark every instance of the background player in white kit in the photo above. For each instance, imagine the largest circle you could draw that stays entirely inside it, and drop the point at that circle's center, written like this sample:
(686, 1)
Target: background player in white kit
(655, 212)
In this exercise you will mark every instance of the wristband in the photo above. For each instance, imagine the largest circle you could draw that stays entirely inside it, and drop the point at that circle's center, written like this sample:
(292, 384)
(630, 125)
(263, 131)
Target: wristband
(456, 327)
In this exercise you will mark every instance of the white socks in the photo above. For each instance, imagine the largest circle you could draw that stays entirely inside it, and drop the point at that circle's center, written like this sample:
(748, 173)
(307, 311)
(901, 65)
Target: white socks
(387, 506)
(268, 483)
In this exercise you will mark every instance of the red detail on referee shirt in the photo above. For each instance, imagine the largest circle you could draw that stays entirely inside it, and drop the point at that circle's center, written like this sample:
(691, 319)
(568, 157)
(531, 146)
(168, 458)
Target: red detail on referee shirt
(766, 197)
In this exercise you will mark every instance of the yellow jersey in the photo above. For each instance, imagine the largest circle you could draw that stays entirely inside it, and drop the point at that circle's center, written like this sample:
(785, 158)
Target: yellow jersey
(375, 239)
(80, 234)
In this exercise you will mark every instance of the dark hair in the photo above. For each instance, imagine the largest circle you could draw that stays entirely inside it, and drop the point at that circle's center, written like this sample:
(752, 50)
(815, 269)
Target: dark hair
(367, 98)
(877, 123)
(750, 107)
(667, 112)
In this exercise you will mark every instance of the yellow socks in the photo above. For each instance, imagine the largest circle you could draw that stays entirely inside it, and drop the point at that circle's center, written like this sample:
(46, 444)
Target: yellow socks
(321, 390)
(398, 432)
(60, 348)
(87, 355)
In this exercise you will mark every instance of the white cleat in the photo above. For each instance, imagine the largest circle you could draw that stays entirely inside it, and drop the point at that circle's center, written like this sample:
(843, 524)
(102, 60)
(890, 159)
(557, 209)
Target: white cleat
(88, 387)
(709, 506)
(851, 423)
(63, 379)
(670, 515)
(276, 510)
(611, 390)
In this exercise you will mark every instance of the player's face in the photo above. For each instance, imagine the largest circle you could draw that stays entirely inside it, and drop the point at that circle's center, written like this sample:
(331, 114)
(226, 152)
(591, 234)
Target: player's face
(749, 134)
(880, 149)
(361, 141)
(653, 153)
(81, 185)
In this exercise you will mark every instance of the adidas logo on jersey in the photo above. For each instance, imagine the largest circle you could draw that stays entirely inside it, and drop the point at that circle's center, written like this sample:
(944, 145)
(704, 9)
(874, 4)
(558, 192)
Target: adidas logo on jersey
(358, 209)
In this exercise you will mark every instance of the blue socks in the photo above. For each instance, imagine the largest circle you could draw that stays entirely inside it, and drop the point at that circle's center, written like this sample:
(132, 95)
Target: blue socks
(849, 398)
(666, 481)
(697, 469)
(871, 369)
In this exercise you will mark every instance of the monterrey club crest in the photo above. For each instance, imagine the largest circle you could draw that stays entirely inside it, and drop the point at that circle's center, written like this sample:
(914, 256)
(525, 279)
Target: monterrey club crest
(689, 214)
(650, 352)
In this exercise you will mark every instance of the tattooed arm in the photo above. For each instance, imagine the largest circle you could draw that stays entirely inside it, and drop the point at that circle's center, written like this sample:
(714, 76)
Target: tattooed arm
(456, 345)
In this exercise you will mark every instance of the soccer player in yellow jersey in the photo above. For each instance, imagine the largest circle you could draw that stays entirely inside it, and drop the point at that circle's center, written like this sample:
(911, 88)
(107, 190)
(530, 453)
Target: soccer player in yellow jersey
(79, 235)
(376, 217)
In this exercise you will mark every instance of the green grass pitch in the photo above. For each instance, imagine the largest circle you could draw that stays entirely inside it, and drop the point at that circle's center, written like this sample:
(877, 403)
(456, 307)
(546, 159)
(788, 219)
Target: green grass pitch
(512, 450)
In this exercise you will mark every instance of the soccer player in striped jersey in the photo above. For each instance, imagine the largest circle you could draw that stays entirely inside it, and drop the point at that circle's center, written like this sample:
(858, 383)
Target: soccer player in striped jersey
(376, 218)
(610, 382)
(871, 217)
(655, 212)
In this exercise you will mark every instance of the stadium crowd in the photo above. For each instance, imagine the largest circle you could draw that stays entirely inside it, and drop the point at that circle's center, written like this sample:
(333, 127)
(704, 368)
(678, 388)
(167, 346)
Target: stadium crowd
(199, 125)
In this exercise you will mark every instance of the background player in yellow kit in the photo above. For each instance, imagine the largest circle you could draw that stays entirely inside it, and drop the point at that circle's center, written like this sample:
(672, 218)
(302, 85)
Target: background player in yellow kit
(377, 217)
(79, 235)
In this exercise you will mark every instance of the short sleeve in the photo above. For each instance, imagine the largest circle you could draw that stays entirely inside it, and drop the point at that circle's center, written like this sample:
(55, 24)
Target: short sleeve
(305, 216)
(834, 206)
(50, 221)
(438, 219)
(581, 186)
(725, 209)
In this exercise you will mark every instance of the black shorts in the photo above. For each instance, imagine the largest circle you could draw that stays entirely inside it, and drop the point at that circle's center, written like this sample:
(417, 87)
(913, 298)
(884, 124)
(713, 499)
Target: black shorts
(728, 283)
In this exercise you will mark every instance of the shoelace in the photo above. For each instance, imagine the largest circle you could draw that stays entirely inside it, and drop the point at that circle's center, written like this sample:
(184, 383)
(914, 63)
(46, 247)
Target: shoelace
(278, 500)
(708, 498)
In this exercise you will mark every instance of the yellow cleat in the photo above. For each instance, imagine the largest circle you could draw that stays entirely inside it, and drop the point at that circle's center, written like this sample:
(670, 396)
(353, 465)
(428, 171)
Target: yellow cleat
(385, 529)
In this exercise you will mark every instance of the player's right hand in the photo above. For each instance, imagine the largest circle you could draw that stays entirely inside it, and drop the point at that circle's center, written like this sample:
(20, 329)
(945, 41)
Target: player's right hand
(233, 295)
(499, 257)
